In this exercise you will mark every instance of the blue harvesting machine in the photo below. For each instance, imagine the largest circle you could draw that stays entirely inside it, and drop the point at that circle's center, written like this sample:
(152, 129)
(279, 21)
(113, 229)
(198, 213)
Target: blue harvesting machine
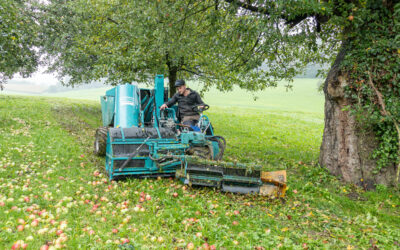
(139, 140)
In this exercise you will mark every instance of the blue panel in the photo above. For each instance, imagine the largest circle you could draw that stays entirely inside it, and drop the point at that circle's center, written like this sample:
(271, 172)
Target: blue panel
(107, 109)
(126, 106)
(110, 92)
(159, 88)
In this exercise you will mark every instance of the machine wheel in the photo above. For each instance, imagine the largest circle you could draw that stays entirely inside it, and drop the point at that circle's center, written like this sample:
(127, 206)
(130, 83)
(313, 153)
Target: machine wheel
(100, 141)
(222, 145)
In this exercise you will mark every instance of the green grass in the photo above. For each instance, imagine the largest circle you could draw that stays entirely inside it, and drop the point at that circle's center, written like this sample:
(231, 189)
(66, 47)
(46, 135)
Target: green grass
(270, 138)
(48, 173)
(303, 97)
(86, 94)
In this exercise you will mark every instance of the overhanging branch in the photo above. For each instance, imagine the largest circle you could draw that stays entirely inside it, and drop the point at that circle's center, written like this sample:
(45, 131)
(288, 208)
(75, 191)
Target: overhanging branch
(291, 21)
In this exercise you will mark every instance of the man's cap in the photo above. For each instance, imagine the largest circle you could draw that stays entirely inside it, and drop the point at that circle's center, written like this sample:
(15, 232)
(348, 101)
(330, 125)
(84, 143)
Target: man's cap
(179, 83)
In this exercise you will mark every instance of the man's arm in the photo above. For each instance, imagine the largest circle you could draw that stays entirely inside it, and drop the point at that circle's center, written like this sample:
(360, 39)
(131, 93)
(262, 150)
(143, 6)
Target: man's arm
(169, 103)
(198, 100)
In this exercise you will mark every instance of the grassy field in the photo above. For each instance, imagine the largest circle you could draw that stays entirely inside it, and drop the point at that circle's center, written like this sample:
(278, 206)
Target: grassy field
(303, 97)
(53, 190)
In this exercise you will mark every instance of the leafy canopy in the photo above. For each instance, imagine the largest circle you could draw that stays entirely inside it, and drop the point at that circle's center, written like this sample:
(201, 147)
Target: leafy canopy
(18, 34)
(373, 64)
(211, 41)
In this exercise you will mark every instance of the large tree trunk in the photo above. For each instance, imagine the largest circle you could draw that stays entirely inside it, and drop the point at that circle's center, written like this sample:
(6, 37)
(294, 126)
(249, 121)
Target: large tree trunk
(346, 148)
(172, 74)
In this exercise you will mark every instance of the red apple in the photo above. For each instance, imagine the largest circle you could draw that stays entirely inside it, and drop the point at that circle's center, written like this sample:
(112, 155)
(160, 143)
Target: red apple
(190, 246)
(34, 223)
(206, 246)
(20, 228)
(16, 245)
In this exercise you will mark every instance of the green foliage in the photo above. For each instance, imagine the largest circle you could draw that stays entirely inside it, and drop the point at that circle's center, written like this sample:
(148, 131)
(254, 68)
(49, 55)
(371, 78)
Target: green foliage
(48, 173)
(210, 41)
(387, 152)
(373, 45)
(18, 33)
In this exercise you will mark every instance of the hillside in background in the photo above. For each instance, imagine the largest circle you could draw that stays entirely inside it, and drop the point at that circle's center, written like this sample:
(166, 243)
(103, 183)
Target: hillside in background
(304, 96)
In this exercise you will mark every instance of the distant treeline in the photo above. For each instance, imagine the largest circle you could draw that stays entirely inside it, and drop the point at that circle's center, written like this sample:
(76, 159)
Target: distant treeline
(312, 71)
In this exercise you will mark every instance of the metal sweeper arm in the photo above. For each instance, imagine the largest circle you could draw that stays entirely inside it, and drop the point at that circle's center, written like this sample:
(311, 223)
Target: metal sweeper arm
(274, 183)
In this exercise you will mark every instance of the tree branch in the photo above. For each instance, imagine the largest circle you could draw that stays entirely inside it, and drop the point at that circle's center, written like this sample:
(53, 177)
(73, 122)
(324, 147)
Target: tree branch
(247, 6)
(291, 21)
(378, 94)
(192, 72)
(194, 13)
(112, 20)
(248, 57)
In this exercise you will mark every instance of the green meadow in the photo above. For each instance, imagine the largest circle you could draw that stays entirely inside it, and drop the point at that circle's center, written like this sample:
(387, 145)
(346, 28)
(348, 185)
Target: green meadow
(54, 191)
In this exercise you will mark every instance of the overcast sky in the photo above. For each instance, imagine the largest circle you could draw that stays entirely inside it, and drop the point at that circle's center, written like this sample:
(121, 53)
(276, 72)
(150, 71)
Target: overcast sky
(38, 78)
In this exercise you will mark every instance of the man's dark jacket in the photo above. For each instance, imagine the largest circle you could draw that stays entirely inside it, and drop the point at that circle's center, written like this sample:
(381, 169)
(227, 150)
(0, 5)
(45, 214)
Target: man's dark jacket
(186, 103)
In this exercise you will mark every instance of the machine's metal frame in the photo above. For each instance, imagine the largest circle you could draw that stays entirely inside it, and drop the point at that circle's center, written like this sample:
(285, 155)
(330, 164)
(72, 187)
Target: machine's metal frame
(144, 141)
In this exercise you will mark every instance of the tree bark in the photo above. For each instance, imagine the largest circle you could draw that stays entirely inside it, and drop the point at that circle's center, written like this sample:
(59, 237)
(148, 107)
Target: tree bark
(172, 74)
(347, 147)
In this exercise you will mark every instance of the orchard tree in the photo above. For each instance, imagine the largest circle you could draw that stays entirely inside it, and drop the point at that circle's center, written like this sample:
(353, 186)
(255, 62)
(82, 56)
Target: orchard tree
(124, 41)
(18, 35)
(362, 89)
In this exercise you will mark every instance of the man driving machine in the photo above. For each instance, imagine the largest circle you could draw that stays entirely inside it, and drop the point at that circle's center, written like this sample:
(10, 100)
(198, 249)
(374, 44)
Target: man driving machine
(189, 104)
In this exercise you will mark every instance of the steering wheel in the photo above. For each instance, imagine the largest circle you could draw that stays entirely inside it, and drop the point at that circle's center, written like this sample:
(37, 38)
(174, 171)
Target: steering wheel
(197, 108)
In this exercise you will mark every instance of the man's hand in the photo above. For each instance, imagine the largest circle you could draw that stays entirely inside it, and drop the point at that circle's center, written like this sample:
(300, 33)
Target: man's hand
(201, 107)
(164, 106)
